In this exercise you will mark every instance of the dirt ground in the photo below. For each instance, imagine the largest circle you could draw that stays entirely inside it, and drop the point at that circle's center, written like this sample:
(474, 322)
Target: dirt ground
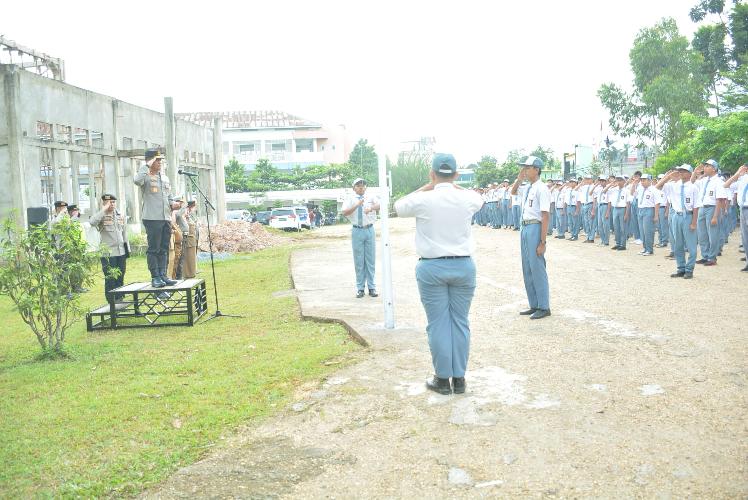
(634, 387)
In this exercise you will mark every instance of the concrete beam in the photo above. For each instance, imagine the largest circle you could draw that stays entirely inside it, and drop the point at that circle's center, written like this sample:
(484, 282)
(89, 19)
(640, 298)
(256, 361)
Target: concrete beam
(170, 133)
(12, 87)
(219, 172)
(62, 146)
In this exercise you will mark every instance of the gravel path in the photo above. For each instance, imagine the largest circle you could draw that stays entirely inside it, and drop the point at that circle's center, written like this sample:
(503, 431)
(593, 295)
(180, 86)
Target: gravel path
(634, 387)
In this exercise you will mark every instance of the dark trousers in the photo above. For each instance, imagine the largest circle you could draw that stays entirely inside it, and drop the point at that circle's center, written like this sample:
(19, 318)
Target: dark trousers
(110, 283)
(158, 233)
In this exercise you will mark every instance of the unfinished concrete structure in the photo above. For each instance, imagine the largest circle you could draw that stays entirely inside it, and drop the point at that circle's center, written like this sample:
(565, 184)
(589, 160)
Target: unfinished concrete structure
(62, 142)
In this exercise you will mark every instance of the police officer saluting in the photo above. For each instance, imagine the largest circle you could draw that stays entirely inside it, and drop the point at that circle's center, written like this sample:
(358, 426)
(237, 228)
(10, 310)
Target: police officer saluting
(445, 272)
(156, 214)
(535, 218)
(112, 227)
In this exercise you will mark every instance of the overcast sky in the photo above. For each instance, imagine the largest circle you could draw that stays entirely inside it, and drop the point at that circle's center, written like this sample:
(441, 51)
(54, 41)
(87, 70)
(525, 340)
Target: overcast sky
(482, 77)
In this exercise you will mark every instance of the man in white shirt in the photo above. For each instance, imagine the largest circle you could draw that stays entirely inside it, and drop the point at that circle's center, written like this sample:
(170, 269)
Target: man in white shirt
(620, 203)
(586, 200)
(445, 272)
(682, 195)
(535, 219)
(601, 210)
(574, 210)
(633, 220)
(361, 209)
(561, 221)
(516, 208)
(506, 213)
(663, 213)
(740, 182)
(710, 199)
(648, 214)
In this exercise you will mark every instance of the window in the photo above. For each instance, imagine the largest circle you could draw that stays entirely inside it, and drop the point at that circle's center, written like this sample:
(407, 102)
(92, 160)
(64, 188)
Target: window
(64, 134)
(44, 131)
(80, 137)
(97, 139)
(142, 144)
(127, 143)
(276, 146)
(225, 148)
(246, 147)
(186, 155)
(304, 145)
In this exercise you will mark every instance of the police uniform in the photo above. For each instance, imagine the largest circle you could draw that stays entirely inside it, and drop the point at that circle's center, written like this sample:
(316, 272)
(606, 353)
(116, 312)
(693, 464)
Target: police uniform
(682, 196)
(536, 200)
(711, 190)
(445, 272)
(363, 238)
(156, 215)
(112, 227)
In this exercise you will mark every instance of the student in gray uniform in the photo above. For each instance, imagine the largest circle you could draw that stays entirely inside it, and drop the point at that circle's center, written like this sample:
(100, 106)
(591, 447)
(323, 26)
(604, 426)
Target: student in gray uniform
(741, 179)
(156, 214)
(535, 219)
(112, 227)
(361, 209)
(445, 272)
(682, 194)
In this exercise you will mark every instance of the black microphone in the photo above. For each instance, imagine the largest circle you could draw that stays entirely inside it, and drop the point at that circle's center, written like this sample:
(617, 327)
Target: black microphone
(190, 174)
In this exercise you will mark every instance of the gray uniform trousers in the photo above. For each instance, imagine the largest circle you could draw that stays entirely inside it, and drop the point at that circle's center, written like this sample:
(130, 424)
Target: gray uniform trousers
(446, 287)
(533, 267)
(364, 244)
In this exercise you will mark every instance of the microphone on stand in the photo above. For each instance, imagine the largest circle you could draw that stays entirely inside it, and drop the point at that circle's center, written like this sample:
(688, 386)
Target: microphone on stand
(189, 174)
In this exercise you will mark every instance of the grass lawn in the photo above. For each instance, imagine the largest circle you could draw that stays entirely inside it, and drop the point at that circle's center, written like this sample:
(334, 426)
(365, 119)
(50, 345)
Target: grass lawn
(132, 406)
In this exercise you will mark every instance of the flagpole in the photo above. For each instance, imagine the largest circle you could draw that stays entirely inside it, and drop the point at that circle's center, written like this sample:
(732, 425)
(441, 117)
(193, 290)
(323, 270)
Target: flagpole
(384, 200)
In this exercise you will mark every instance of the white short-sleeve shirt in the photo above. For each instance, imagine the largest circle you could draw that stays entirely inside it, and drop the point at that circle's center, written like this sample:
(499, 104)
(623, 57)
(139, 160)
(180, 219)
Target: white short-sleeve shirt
(369, 200)
(536, 200)
(619, 197)
(710, 189)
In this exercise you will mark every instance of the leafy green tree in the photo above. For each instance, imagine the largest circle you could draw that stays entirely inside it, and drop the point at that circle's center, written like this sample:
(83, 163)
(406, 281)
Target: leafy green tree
(265, 177)
(409, 173)
(709, 43)
(487, 171)
(39, 269)
(237, 180)
(664, 87)
(509, 168)
(721, 137)
(365, 162)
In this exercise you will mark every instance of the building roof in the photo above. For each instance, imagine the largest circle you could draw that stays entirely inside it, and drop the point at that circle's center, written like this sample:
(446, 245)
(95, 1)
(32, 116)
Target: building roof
(249, 119)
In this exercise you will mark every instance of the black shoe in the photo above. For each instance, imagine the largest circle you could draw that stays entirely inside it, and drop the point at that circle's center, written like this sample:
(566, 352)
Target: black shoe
(621, 248)
(440, 385)
(560, 237)
(157, 282)
(688, 276)
(359, 294)
(168, 281)
(614, 247)
(527, 312)
(373, 293)
(540, 313)
(702, 261)
(458, 385)
(679, 274)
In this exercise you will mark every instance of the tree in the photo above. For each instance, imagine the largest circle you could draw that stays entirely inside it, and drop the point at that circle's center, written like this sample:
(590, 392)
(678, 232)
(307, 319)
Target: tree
(487, 171)
(509, 169)
(40, 268)
(721, 137)
(709, 43)
(409, 173)
(365, 162)
(664, 86)
(265, 177)
(237, 180)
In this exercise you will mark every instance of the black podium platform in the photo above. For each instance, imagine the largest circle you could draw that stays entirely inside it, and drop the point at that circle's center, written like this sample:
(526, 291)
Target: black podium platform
(143, 306)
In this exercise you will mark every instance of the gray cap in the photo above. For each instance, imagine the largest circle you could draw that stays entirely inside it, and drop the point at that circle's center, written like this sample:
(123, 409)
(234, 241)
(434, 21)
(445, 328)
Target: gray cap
(444, 163)
(686, 167)
(623, 178)
(358, 180)
(602, 178)
(647, 176)
(588, 176)
(712, 163)
(531, 161)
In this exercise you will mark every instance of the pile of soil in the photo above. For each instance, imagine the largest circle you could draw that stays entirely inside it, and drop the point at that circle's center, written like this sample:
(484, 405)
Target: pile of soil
(236, 236)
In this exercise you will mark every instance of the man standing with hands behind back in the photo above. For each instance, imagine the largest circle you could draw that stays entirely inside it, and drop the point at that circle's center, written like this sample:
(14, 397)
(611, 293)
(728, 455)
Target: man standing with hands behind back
(156, 213)
(536, 205)
(361, 209)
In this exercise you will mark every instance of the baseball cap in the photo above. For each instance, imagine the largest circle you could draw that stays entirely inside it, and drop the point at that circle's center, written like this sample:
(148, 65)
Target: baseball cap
(647, 176)
(153, 153)
(712, 163)
(685, 167)
(444, 163)
(358, 180)
(531, 161)
(620, 177)
(588, 176)
(602, 178)
(506, 180)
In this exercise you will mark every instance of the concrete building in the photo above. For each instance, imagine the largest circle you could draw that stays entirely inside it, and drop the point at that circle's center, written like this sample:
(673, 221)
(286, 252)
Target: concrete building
(62, 142)
(286, 140)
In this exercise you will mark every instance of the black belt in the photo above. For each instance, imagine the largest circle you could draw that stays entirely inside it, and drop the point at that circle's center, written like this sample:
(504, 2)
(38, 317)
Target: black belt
(686, 212)
(529, 222)
(588, 203)
(446, 257)
(363, 227)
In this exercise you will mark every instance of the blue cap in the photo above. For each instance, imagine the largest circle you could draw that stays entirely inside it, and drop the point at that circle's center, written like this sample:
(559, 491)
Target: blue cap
(712, 163)
(531, 161)
(444, 163)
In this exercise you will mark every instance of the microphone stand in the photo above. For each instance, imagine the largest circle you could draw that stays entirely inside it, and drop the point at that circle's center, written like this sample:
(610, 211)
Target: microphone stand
(208, 204)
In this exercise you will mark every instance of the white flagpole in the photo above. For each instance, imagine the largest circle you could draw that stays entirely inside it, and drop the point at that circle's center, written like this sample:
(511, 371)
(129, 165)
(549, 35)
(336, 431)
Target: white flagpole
(384, 199)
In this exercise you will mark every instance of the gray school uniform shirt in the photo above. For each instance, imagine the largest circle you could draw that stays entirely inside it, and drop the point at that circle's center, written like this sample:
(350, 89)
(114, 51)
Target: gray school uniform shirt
(154, 194)
(113, 231)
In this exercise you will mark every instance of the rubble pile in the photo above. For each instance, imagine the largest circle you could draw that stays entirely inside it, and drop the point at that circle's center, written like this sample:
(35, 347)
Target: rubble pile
(234, 236)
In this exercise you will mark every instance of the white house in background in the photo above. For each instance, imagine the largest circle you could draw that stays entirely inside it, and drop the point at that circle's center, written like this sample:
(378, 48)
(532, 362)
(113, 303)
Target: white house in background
(286, 140)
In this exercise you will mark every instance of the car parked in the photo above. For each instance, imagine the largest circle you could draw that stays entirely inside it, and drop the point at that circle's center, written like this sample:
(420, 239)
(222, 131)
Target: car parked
(303, 214)
(234, 214)
(285, 218)
(263, 217)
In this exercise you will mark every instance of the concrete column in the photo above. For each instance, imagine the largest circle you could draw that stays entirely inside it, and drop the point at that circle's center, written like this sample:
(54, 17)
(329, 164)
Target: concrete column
(67, 191)
(12, 86)
(74, 165)
(170, 133)
(220, 183)
(119, 170)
